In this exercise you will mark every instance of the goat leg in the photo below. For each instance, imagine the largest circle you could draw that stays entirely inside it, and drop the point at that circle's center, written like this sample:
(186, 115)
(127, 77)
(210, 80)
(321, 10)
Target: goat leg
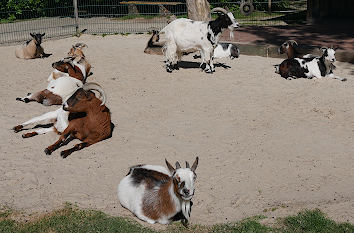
(66, 153)
(58, 143)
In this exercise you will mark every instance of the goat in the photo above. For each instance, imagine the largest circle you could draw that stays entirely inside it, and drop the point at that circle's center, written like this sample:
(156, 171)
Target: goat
(32, 48)
(154, 47)
(82, 116)
(290, 49)
(155, 194)
(222, 50)
(79, 57)
(65, 79)
(56, 92)
(184, 35)
(311, 67)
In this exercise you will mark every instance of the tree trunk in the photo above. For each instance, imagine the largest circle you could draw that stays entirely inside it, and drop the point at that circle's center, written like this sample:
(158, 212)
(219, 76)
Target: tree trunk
(198, 10)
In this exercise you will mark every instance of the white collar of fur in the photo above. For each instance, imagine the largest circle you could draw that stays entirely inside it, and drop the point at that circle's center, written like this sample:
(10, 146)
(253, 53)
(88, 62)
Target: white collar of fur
(186, 209)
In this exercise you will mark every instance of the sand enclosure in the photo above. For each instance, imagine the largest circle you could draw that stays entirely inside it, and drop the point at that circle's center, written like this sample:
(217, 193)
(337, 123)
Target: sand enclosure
(266, 145)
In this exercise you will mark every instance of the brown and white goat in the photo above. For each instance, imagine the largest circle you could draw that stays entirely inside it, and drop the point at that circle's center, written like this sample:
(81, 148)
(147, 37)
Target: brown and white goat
(32, 48)
(63, 81)
(83, 116)
(155, 194)
(79, 57)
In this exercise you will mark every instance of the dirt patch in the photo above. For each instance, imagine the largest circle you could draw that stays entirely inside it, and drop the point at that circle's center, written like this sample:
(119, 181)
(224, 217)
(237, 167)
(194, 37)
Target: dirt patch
(266, 145)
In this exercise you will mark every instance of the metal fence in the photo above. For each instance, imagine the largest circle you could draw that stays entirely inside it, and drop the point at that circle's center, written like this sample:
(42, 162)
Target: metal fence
(115, 17)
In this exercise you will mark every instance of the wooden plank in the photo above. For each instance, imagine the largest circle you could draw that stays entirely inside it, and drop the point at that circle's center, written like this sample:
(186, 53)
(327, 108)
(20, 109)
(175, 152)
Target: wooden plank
(150, 3)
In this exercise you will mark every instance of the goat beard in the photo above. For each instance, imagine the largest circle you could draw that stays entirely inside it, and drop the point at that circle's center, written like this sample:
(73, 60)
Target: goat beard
(232, 33)
(186, 210)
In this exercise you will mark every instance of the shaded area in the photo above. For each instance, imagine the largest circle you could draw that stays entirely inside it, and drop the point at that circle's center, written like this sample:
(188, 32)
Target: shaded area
(340, 34)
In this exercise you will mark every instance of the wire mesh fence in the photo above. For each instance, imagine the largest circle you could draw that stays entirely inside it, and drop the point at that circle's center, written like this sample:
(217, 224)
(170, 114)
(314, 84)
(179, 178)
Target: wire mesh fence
(56, 18)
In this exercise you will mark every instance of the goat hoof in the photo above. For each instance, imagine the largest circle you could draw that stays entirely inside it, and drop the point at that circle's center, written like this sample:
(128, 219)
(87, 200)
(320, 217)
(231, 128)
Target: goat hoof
(47, 151)
(17, 128)
(64, 154)
(169, 70)
(19, 99)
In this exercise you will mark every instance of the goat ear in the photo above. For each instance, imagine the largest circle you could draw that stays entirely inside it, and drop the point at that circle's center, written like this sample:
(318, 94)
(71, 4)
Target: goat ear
(42, 34)
(32, 34)
(323, 49)
(187, 165)
(169, 166)
(195, 164)
(178, 165)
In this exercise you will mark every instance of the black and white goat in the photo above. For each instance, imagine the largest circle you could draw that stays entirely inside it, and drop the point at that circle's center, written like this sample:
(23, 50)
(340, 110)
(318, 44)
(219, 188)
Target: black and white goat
(184, 35)
(311, 67)
(155, 194)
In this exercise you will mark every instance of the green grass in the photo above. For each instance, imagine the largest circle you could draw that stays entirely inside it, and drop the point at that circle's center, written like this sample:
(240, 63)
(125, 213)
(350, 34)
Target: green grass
(71, 219)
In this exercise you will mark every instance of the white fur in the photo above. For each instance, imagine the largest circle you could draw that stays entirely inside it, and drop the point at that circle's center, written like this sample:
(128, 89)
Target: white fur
(64, 86)
(185, 34)
(56, 73)
(59, 117)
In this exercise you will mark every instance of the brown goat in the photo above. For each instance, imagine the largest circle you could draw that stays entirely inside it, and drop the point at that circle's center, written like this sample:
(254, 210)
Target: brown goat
(289, 48)
(32, 48)
(93, 126)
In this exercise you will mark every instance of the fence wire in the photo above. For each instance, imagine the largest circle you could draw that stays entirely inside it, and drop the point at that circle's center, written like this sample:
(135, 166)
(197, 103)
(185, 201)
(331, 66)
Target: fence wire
(115, 17)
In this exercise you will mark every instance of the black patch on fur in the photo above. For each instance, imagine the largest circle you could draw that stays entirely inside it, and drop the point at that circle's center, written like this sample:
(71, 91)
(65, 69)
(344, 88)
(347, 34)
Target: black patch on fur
(222, 22)
(322, 66)
(224, 46)
(151, 177)
(292, 68)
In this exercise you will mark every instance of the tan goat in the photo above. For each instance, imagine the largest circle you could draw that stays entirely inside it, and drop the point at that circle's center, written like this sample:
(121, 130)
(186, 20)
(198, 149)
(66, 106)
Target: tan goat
(32, 48)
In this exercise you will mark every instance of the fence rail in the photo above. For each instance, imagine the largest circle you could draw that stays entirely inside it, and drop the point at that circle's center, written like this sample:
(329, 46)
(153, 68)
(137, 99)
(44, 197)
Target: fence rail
(113, 17)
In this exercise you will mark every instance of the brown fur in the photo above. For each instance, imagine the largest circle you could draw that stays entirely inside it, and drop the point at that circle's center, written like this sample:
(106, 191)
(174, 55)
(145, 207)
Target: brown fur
(31, 49)
(73, 71)
(164, 206)
(44, 97)
(93, 127)
(79, 56)
(154, 47)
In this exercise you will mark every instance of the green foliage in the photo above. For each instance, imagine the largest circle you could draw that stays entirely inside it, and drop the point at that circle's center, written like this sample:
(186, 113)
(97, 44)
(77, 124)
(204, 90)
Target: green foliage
(314, 221)
(71, 219)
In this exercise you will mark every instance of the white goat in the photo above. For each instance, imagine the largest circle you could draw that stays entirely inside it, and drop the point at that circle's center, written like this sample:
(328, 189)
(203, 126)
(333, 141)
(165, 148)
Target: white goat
(155, 194)
(183, 35)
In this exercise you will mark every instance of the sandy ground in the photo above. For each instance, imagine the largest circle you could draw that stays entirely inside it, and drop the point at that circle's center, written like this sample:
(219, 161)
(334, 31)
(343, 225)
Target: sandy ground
(266, 145)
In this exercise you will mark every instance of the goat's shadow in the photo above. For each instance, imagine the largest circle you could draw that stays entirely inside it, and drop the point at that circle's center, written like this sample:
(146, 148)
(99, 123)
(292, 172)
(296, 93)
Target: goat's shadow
(196, 65)
(45, 55)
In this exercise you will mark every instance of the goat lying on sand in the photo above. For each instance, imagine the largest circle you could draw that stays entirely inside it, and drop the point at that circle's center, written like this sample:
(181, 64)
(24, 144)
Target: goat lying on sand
(312, 67)
(82, 116)
(155, 194)
(63, 81)
(32, 48)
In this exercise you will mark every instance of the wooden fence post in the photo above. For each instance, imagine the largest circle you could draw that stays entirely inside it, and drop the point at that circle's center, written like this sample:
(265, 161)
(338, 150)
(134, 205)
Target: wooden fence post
(76, 14)
(269, 6)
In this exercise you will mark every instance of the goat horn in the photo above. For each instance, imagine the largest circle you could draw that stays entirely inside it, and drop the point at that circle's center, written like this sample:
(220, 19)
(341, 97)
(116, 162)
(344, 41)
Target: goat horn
(219, 9)
(178, 165)
(80, 45)
(187, 165)
(96, 87)
(293, 41)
